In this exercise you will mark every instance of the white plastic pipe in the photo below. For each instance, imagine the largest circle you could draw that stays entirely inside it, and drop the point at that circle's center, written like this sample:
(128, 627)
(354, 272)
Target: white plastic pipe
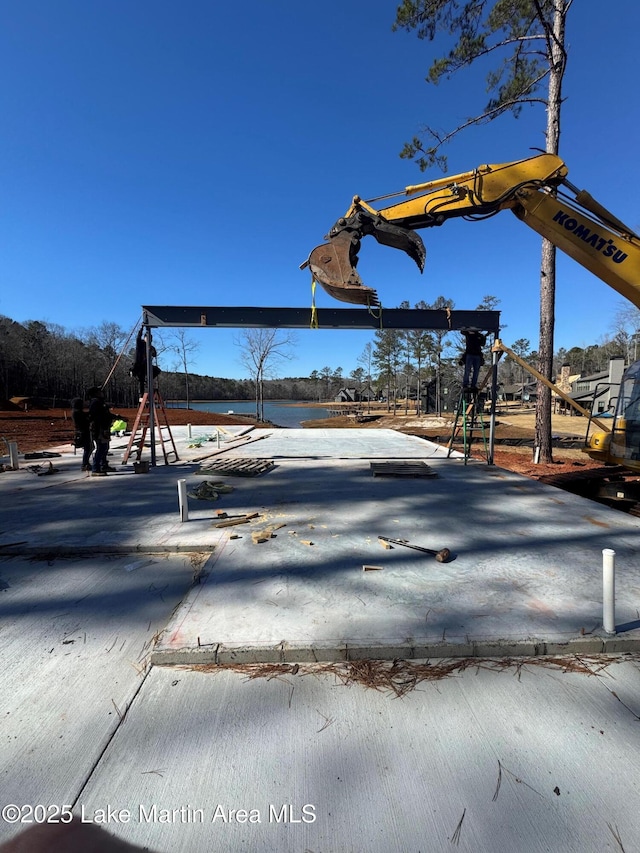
(13, 455)
(609, 590)
(189, 430)
(183, 503)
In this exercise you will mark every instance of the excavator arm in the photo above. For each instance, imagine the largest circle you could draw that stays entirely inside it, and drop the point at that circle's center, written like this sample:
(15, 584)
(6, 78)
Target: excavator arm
(536, 190)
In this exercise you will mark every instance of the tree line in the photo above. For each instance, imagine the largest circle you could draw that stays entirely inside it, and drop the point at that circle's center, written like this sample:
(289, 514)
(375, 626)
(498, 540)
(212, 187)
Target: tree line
(45, 363)
(49, 365)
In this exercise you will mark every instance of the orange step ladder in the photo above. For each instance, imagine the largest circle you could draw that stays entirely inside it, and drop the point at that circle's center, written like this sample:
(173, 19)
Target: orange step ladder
(142, 425)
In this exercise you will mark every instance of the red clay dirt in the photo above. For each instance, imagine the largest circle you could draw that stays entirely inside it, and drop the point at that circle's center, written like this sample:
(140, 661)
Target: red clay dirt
(41, 429)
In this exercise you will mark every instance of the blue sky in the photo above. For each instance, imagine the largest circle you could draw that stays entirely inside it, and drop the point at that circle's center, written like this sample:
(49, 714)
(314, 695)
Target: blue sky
(194, 153)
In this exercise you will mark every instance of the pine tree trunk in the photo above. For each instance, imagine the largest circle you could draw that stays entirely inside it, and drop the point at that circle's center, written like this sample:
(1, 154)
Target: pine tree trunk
(543, 448)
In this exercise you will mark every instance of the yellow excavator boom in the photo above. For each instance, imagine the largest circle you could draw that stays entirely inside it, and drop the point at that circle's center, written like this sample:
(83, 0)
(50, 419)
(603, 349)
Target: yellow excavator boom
(536, 190)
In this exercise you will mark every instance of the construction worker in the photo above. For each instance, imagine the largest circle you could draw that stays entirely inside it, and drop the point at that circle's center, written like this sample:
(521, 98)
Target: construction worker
(472, 358)
(100, 420)
(82, 429)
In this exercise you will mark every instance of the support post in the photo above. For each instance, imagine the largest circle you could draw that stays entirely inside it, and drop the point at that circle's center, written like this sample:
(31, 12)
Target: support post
(13, 455)
(183, 502)
(495, 356)
(151, 398)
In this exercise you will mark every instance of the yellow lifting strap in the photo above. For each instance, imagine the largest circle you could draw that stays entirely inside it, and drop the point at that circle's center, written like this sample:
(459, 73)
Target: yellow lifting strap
(314, 311)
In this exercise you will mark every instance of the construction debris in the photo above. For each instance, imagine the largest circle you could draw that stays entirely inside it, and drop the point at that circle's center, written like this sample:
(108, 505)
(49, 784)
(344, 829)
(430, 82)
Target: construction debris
(238, 467)
(402, 469)
(401, 677)
(209, 490)
(43, 470)
(265, 534)
(242, 440)
(243, 519)
(442, 556)
(199, 440)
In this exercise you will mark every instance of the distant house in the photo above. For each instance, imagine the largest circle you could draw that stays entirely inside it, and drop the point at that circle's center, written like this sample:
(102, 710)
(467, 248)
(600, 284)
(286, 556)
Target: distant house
(20, 402)
(564, 381)
(352, 395)
(526, 392)
(598, 393)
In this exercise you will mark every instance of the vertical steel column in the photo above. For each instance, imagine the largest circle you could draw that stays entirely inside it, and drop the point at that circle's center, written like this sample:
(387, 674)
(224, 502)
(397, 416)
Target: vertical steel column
(494, 396)
(151, 398)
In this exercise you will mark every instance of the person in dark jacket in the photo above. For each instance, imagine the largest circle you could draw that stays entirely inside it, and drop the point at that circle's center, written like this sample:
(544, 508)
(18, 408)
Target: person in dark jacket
(473, 358)
(139, 368)
(82, 436)
(100, 420)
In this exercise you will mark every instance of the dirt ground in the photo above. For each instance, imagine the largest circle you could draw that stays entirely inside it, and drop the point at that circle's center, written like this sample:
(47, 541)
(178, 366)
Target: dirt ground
(41, 429)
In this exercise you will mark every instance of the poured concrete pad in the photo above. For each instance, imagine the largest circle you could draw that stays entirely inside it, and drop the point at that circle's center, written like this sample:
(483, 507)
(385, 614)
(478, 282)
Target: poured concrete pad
(523, 758)
(526, 573)
(75, 637)
(481, 761)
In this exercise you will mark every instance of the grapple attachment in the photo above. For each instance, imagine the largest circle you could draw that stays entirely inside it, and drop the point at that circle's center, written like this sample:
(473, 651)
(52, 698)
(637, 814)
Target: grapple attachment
(333, 264)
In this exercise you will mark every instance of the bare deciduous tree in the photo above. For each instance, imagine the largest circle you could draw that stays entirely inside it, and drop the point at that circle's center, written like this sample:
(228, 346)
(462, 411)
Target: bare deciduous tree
(262, 349)
(183, 348)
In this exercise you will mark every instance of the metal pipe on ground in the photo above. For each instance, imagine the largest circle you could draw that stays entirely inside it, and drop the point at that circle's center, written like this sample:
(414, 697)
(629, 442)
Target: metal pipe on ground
(609, 590)
(183, 502)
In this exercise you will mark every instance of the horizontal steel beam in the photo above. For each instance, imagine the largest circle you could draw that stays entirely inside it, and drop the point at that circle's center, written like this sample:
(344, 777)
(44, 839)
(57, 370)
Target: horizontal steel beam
(327, 318)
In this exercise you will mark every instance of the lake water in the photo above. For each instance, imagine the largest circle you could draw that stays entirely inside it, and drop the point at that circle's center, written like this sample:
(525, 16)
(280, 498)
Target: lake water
(279, 413)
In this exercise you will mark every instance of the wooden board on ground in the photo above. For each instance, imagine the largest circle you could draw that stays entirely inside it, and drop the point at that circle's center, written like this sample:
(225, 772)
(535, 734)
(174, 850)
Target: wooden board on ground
(237, 467)
(402, 469)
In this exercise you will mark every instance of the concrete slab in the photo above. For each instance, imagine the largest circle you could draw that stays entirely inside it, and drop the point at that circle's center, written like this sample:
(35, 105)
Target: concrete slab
(71, 512)
(75, 637)
(524, 758)
(483, 761)
(338, 444)
(526, 573)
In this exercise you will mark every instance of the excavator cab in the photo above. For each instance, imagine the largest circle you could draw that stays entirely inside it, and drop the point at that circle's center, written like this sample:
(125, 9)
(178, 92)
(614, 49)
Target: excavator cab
(622, 445)
(625, 435)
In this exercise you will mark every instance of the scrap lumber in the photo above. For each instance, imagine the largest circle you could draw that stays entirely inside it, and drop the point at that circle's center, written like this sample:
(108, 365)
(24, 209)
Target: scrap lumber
(233, 521)
(240, 443)
(265, 534)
